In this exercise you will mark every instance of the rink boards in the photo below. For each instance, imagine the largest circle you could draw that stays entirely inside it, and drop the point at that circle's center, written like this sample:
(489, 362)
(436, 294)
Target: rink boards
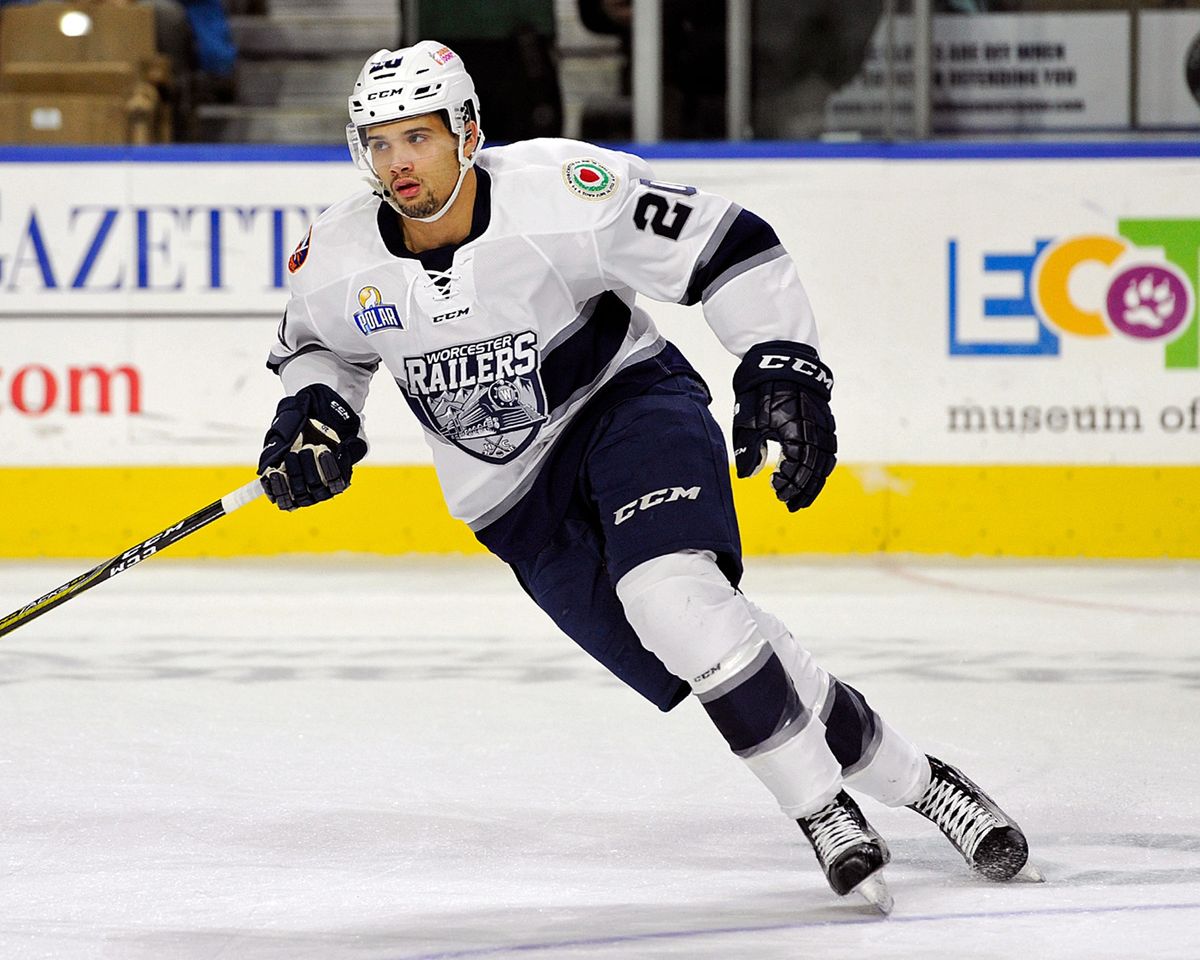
(1013, 331)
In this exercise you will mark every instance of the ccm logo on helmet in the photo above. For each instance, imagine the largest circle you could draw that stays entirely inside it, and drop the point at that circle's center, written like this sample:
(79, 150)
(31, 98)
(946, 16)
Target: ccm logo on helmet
(384, 94)
(773, 361)
(653, 499)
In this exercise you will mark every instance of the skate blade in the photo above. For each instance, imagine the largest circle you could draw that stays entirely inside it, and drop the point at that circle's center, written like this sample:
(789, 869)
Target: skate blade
(1030, 874)
(875, 891)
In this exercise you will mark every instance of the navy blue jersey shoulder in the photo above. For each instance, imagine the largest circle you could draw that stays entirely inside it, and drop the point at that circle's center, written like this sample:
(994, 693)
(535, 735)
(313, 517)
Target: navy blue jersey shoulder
(742, 240)
(576, 362)
(525, 528)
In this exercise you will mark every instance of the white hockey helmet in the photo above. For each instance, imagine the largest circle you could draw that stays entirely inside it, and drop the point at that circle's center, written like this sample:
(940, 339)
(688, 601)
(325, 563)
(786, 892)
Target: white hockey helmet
(397, 84)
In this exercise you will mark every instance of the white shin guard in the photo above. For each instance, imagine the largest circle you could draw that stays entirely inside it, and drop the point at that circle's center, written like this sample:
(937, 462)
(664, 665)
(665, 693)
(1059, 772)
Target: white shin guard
(686, 612)
(896, 773)
(801, 773)
(811, 680)
(892, 770)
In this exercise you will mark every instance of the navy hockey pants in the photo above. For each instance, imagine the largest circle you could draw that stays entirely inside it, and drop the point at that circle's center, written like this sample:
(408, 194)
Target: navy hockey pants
(654, 480)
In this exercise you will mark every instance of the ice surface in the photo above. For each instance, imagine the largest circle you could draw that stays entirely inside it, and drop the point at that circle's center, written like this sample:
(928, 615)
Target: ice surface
(338, 758)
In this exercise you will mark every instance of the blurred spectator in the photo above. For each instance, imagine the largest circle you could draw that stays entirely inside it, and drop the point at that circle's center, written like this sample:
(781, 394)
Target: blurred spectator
(693, 59)
(172, 36)
(508, 47)
(216, 55)
(805, 50)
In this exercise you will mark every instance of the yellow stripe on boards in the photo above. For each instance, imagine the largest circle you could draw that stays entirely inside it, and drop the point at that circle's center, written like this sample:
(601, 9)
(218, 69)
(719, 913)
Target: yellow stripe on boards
(1021, 511)
(987, 510)
(101, 511)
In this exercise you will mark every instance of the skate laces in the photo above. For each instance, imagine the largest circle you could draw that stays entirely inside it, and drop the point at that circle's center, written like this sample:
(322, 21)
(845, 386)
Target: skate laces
(959, 815)
(833, 830)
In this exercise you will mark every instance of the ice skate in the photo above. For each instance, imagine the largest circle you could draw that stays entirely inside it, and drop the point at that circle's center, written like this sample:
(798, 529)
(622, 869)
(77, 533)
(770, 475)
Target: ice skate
(850, 852)
(988, 839)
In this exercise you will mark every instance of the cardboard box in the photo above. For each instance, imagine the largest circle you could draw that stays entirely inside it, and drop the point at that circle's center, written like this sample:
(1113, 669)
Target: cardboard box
(49, 118)
(119, 31)
(115, 78)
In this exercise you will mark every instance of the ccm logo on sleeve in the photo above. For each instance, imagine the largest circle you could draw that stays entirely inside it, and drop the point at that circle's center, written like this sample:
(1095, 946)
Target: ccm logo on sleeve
(653, 499)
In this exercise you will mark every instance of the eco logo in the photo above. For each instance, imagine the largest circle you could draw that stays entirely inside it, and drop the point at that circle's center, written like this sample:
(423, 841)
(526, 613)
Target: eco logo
(1136, 286)
(588, 179)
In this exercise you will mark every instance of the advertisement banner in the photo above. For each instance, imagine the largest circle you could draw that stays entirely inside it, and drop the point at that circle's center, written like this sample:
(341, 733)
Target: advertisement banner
(156, 239)
(997, 72)
(1000, 311)
(138, 308)
(973, 310)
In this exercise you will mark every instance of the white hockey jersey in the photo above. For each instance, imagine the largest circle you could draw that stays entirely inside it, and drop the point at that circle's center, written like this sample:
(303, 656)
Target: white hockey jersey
(499, 342)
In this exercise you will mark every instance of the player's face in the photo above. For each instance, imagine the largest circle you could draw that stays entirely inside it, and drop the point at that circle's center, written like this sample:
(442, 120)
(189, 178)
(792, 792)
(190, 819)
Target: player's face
(418, 159)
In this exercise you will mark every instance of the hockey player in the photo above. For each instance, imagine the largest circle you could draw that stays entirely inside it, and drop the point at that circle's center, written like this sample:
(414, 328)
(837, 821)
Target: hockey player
(498, 290)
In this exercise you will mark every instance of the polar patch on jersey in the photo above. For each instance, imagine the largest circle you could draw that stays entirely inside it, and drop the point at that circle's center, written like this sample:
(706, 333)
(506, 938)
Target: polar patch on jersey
(484, 397)
(375, 314)
(589, 179)
(300, 254)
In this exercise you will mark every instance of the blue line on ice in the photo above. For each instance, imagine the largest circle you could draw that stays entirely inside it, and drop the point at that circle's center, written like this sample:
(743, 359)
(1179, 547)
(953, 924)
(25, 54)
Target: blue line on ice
(516, 948)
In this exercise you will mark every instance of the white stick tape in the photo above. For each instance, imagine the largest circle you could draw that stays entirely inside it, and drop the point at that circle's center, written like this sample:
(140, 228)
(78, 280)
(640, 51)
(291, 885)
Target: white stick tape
(242, 496)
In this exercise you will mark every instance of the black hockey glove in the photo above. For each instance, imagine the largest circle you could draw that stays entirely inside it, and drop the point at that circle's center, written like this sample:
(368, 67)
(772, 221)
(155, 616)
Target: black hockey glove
(781, 391)
(311, 448)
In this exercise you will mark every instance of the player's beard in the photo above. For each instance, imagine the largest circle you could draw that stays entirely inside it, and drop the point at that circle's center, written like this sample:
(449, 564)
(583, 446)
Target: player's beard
(423, 206)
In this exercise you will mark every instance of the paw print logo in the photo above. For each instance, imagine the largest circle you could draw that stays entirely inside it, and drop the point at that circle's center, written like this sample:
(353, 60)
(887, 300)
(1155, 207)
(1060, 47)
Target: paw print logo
(1149, 301)
(1148, 304)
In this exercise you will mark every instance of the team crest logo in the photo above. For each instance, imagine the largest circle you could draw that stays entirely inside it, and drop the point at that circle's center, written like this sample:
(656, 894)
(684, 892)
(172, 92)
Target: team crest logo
(300, 254)
(485, 397)
(589, 179)
(375, 314)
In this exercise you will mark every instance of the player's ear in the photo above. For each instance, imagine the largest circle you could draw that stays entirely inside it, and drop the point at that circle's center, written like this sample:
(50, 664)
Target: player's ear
(472, 141)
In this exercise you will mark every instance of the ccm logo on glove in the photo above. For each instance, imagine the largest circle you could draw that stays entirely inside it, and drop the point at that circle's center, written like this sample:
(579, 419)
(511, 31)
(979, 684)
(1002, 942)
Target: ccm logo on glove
(782, 392)
(341, 411)
(310, 449)
(818, 371)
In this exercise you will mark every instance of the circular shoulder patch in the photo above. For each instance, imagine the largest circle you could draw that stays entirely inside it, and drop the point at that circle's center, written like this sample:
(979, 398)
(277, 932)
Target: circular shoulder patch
(589, 179)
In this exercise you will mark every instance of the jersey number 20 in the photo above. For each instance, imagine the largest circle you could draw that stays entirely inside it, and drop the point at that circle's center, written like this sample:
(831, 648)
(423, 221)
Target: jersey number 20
(661, 215)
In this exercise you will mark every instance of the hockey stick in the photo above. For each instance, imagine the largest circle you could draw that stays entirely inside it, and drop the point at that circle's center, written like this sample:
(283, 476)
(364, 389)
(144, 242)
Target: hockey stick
(123, 561)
